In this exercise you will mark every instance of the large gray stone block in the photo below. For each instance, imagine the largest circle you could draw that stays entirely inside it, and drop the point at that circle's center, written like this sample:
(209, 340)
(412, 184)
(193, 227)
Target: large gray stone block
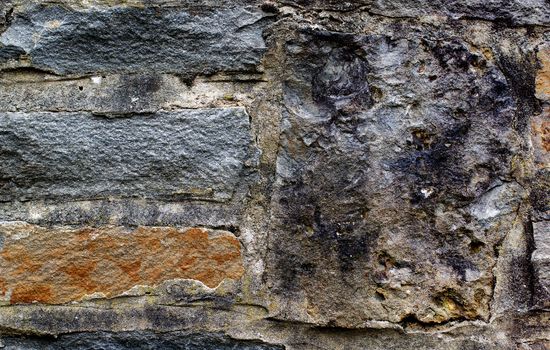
(167, 155)
(199, 40)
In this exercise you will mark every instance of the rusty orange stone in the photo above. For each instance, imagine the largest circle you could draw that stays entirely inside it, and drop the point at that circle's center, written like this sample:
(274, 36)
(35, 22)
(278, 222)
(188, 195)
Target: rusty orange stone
(61, 265)
(542, 83)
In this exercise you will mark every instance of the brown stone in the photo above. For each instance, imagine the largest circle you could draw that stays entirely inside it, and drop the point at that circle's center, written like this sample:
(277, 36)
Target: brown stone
(543, 75)
(540, 138)
(59, 265)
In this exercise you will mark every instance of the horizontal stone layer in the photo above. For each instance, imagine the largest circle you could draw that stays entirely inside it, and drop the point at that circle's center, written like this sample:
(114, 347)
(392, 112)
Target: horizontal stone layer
(60, 265)
(167, 155)
(130, 39)
(120, 94)
(505, 11)
(126, 212)
(140, 340)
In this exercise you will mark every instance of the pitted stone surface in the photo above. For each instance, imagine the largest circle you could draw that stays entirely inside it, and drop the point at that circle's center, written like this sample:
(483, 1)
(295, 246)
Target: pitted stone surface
(60, 265)
(310, 174)
(167, 155)
(391, 189)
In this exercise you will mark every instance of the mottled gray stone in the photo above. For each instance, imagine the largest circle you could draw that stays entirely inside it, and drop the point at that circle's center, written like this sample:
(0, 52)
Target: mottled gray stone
(136, 340)
(167, 155)
(127, 211)
(504, 11)
(126, 39)
(393, 182)
(541, 263)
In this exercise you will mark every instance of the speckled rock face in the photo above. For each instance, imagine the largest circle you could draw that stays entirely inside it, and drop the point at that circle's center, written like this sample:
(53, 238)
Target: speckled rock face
(131, 39)
(77, 156)
(281, 174)
(390, 180)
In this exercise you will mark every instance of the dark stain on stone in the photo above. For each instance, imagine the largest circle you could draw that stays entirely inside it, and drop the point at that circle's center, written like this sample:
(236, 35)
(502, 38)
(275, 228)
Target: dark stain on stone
(341, 85)
(137, 91)
(459, 264)
(292, 269)
(454, 55)
(539, 196)
(435, 162)
(269, 7)
(8, 53)
(520, 74)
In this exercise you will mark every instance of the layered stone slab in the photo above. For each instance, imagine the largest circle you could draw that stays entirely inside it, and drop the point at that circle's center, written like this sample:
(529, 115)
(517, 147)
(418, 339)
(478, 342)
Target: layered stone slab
(60, 265)
(140, 340)
(121, 94)
(129, 39)
(168, 155)
(506, 11)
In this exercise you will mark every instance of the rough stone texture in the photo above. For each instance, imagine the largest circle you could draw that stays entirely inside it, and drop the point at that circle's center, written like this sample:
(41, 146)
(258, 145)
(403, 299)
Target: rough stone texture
(388, 181)
(541, 262)
(543, 75)
(507, 11)
(541, 194)
(195, 153)
(121, 94)
(127, 39)
(137, 340)
(60, 265)
(274, 174)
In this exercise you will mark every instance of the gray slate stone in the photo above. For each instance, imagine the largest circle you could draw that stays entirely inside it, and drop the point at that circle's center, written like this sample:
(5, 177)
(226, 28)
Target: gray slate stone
(515, 12)
(203, 40)
(136, 340)
(168, 155)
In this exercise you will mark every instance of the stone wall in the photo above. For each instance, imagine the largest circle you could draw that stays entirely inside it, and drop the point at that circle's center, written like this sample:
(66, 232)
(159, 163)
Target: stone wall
(292, 174)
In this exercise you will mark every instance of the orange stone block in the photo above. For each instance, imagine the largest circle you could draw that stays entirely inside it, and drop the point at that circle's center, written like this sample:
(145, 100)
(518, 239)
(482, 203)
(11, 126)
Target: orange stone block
(60, 265)
(543, 75)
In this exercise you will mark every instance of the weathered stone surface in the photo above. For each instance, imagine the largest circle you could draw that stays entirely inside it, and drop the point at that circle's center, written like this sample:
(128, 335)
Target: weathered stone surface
(60, 265)
(136, 340)
(541, 263)
(387, 186)
(513, 11)
(130, 39)
(170, 155)
(507, 11)
(120, 94)
(543, 74)
(392, 191)
(126, 212)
